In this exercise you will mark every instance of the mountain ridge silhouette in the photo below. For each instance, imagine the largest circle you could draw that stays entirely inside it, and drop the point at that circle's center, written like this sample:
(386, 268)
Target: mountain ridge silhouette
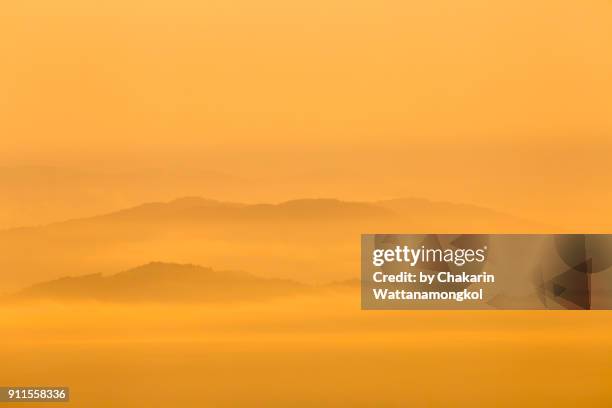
(310, 240)
(162, 282)
(196, 206)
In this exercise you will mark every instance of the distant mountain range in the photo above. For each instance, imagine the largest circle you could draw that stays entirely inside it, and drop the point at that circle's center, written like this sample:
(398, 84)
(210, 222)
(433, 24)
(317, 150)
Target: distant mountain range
(419, 212)
(308, 240)
(163, 282)
(199, 209)
(36, 195)
(415, 214)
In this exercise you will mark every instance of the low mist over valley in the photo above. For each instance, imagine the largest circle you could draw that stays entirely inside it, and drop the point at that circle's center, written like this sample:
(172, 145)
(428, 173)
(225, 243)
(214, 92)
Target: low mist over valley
(309, 241)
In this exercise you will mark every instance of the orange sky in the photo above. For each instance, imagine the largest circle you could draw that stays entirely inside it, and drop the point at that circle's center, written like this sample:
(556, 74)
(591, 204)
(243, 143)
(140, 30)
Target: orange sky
(501, 98)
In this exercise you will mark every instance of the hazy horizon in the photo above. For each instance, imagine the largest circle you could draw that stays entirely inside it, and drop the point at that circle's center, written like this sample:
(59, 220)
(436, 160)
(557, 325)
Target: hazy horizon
(486, 116)
(38, 195)
(504, 105)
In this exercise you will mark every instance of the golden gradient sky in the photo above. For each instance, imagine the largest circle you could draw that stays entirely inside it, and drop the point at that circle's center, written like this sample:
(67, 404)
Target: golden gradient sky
(106, 104)
(473, 101)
